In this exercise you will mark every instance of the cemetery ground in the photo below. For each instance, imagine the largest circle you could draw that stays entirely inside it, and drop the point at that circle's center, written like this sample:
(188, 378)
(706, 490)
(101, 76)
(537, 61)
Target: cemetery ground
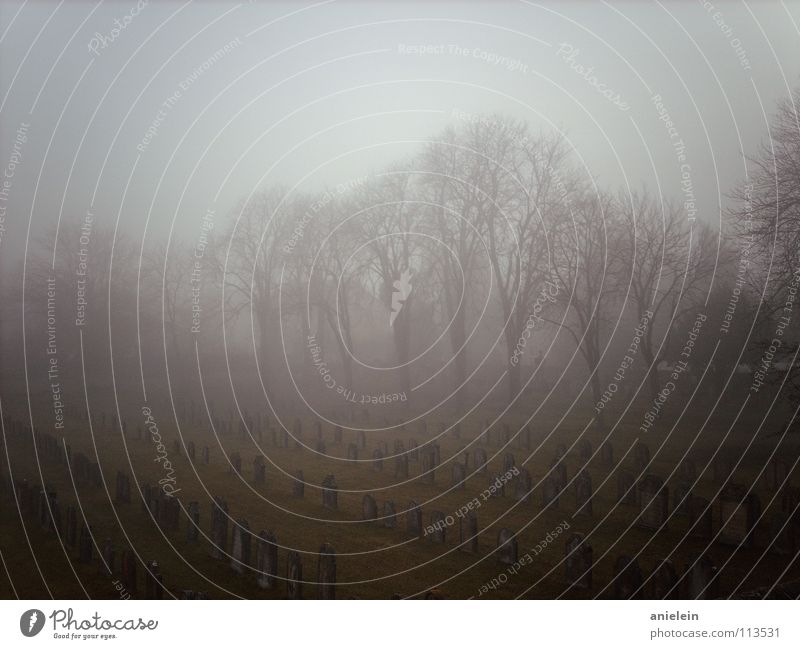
(728, 547)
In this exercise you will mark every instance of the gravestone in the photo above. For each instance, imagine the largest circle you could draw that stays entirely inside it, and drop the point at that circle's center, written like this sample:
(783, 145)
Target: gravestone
(205, 455)
(428, 467)
(506, 551)
(361, 440)
(737, 512)
(700, 518)
(459, 477)
(219, 528)
(128, 570)
(584, 451)
(326, 572)
(699, 579)
(481, 463)
(401, 466)
(298, 484)
(468, 533)
(236, 464)
(550, 492)
(626, 491)
(153, 581)
(663, 582)
(389, 515)
(191, 450)
(266, 560)
(526, 438)
(627, 578)
(437, 521)
(259, 470)
(606, 455)
(330, 494)
(523, 486)
(377, 460)
(508, 462)
(583, 493)
(681, 497)
(775, 475)
(413, 450)
(352, 452)
(123, 491)
(294, 576)
(193, 523)
(240, 546)
(654, 502)
(559, 471)
(414, 519)
(369, 508)
(578, 562)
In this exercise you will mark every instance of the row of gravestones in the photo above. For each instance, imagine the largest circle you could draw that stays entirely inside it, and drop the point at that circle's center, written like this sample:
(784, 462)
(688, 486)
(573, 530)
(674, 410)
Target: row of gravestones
(698, 581)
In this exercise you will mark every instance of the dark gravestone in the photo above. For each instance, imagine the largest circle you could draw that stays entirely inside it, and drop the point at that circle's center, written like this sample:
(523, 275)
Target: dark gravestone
(506, 551)
(352, 452)
(219, 528)
(497, 487)
(737, 512)
(526, 438)
(578, 562)
(654, 501)
(236, 464)
(700, 518)
(326, 572)
(128, 570)
(559, 471)
(481, 463)
(584, 451)
(413, 450)
(583, 493)
(775, 475)
(266, 560)
(369, 508)
(459, 476)
(627, 578)
(330, 494)
(468, 533)
(389, 515)
(663, 582)
(641, 457)
(699, 580)
(401, 466)
(298, 484)
(153, 581)
(414, 519)
(523, 486)
(508, 462)
(550, 491)
(377, 460)
(606, 455)
(205, 455)
(626, 491)
(439, 525)
(259, 470)
(294, 576)
(681, 497)
(123, 492)
(191, 450)
(193, 522)
(428, 467)
(240, 546)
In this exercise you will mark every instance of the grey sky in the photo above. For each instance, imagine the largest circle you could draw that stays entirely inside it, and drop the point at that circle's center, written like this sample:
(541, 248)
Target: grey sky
(325, 93)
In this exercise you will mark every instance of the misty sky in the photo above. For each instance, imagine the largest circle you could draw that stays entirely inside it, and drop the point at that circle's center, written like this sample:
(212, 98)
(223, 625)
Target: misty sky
(316, 94)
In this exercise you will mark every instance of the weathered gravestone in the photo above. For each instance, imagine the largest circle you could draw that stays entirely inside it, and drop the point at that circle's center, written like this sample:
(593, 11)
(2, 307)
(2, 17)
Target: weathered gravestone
(468, 533)
(606, 455)
(583, 493)
(352, 452)
(627, 578)
(128, 570)
(459, 476)
(414, 519)
(506, 551)
(626, 491)
(578, 562)
(205, 455)
(699, 580)
(508, 462)
(550, 491)
(266, 560)
(259, 470)
(298, 484)
(377, 460)
(294, 576)
(700, 518)
(240, 546)
(641, 457)
(389, 515)
(481, 462)
(681, 497)
(401, 466)
(369, 508)
(584, 451)
(439, 525)
(219, 528)
(737, 512)
(330, 493)
(654, 502)
(523, 486)
(428, 467)
(153, 581)
(123, 490)
(326, 572)
(663, 582)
